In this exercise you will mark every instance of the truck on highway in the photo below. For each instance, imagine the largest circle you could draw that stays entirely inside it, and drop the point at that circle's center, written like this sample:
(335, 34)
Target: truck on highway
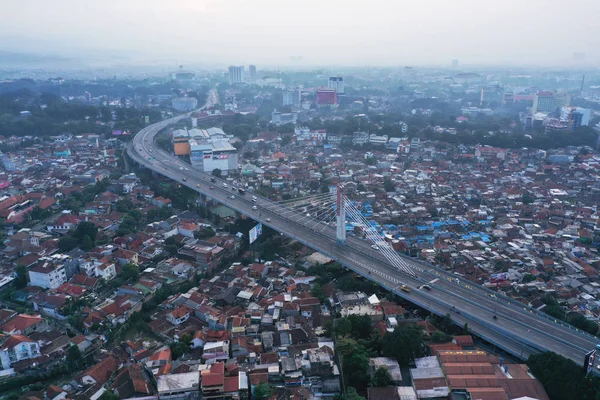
(242, 191)
(405, 288)
(213, 179)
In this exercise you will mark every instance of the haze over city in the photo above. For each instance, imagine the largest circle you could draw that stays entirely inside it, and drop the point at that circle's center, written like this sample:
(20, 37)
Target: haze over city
(334, 32)
(264, 200)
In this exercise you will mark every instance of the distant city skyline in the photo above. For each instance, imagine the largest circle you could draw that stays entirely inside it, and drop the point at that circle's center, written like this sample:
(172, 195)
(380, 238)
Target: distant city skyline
(335, 32)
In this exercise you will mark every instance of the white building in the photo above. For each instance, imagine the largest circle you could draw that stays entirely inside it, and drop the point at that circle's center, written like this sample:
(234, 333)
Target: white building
(567, 114)
(378, 140)
(106, 271)
(360, 138)
(337, 83)
(279, 118)
(46, 276)
(548, 102)
(216, 350)
(291, 97)
(178, 316)
(236, 74)
(17, 348)
(184, 104)
(208, 155)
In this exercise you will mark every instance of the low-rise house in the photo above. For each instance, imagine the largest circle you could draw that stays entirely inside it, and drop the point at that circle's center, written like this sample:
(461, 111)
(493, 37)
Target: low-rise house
(178, 316)
(15, 348)
(101, 372)
(24, 324)
(178, 386)
(217, 385)
(216, 350)
(47, 276)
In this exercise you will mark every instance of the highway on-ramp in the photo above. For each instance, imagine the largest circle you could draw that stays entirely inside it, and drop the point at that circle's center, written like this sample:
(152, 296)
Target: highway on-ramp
(517, 329)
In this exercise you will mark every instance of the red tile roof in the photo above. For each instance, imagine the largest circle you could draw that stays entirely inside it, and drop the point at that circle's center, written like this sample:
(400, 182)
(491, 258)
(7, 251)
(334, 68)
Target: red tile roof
(21, 322)
(102, 371)
(14, 340)
(215, 376)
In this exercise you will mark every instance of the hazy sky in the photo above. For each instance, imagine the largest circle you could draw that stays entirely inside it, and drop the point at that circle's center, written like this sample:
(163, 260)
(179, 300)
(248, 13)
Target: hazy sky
(323, 32)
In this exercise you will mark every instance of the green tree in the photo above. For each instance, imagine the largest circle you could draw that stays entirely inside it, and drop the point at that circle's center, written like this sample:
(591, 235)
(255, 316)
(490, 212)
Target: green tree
(317, 291)
(178, 349)
(130, 272)
(75, 360)
(362, 326)
(86, 228)
(263, 391)
(186, 339)
(560, 376)
(345, 346)
(404, 344)
(135, 214)
(124, 205)
(127, 225)
(217, 172)
(356, 368)
(171, 249)
(109, 395)
(343, 327)
(382, 378)
(528, 278)
(388, 185)
(21, 278)
(205, 233)
(67, 243)
(76, 321)
(87, 243)
(440, 337)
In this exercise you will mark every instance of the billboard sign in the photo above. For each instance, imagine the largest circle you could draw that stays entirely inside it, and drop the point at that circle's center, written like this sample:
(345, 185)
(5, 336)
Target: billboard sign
(255, 233)
(588, 363)
(496, 278)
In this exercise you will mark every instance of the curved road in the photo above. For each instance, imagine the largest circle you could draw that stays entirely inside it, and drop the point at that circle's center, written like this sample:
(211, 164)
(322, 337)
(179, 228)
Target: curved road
(517, 329)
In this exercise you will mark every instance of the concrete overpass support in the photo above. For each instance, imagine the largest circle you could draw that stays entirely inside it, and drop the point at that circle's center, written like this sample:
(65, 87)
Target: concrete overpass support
(340, 216)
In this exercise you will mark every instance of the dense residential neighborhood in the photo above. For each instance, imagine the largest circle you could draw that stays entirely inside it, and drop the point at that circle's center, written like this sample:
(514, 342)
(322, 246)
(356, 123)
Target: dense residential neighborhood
(117, 282)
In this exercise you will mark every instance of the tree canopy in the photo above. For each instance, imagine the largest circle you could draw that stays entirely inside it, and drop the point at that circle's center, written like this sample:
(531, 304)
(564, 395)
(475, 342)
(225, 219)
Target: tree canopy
(404, 344)
(382, 377)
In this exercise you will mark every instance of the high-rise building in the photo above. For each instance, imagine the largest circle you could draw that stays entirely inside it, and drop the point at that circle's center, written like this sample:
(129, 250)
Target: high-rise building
(454, 63)
(252, 73)
(577, 116)
(492, 95)
(291, 97)
(549, 102)
(336, 83)
(236, 74)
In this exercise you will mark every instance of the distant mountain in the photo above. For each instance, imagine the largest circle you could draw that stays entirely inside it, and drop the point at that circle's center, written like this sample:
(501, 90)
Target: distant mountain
(12, 59)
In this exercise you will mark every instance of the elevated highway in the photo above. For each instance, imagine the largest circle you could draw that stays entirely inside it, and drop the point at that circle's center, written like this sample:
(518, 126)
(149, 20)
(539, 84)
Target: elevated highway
(516, 329)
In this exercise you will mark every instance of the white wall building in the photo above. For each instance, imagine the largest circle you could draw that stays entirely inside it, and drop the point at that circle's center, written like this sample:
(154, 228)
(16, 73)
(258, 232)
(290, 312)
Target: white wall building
(106, 271)
(291, 97)
(17, 348)
(236, 74)
(567, 112)
(337, 83)
(378, 140)
(210, 155)
(47, 277)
